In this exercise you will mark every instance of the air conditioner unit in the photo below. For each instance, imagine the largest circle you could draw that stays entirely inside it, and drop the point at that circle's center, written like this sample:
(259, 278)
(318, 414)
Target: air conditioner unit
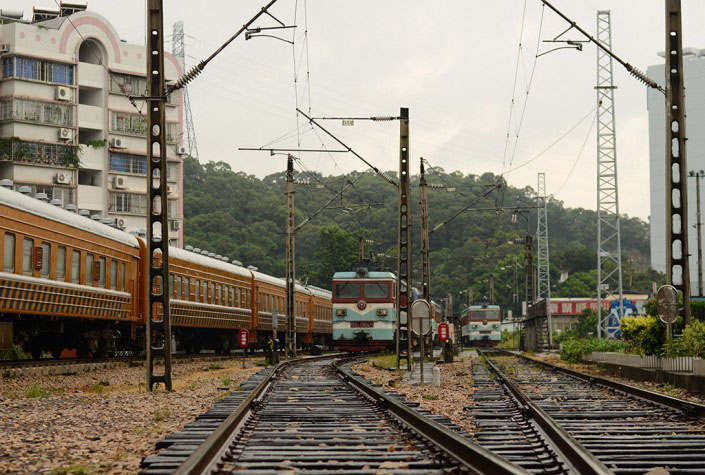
(62, 179)
(181, 151)
(119, 183)
(175, 225)
(117, 143)
(63, 93)
(4, 47)
(170, 189)
(121, 223)
(65, 134)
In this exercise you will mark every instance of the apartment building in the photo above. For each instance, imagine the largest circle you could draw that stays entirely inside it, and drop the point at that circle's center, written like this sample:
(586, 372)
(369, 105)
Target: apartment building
(67, 125)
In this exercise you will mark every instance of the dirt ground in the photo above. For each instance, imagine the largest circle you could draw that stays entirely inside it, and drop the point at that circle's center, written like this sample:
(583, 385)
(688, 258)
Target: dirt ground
(451, 399)
(104, 422)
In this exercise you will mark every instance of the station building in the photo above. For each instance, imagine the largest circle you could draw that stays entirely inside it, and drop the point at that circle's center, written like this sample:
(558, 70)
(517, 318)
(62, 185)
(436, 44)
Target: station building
(67, 126)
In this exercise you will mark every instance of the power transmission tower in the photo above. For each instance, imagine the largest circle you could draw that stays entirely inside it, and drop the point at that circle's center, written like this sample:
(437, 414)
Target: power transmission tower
(290, 261)
(542, 256)
(677, 257)
(158, 322)
(189, 137)
(425, 261)
(403, 340)
(609, 246)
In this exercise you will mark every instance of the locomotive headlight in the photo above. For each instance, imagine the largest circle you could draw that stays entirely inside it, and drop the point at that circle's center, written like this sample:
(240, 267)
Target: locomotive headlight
(474, 325)
(381, 312)
(341, 312)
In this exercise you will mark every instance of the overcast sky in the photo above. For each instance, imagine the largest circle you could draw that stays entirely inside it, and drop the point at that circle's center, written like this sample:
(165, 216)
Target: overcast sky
(451, 62)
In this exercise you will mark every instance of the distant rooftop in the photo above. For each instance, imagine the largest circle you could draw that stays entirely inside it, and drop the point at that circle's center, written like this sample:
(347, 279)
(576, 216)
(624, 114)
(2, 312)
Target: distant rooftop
(40, 14)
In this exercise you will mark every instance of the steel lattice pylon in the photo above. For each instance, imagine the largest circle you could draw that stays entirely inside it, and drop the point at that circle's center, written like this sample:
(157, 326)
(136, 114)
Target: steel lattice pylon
(189, 133)
(609, 247)
(542, 257)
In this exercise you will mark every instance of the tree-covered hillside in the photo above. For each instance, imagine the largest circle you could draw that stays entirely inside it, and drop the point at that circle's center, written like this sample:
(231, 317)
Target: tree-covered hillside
(243, 217)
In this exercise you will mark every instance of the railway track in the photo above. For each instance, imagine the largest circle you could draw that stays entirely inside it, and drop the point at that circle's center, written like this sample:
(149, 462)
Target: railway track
(316, 416)
(594, 427)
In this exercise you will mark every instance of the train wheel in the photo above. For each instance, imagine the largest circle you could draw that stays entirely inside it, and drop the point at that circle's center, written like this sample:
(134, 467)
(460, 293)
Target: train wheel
(56, 351)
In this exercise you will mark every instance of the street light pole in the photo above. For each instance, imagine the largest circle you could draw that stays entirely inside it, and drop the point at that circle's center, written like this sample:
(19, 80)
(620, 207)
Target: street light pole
(698, 176)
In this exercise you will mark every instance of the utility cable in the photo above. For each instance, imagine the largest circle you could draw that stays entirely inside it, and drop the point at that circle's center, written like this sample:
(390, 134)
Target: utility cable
(638, 74)
(320, 210)
(475, 201)
(383, 175)
(198, 68)
(578, 157)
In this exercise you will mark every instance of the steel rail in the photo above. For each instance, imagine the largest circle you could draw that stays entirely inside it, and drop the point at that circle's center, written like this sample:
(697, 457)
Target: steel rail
(688, 407)
(463, 450)
(203, 457)
(572, 451)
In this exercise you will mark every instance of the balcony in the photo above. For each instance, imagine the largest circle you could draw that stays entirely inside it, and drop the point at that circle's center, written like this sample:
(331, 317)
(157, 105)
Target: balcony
(90, 197)
(91, 117)
(93, 157)
(91, 75)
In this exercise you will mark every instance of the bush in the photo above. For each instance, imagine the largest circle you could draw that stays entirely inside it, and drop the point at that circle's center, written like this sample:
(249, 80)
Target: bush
(694, 339)
(573, 349)
(645, 335)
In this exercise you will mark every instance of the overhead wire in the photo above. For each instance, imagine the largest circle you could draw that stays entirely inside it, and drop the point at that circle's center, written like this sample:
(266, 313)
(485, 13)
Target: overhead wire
(575, 162)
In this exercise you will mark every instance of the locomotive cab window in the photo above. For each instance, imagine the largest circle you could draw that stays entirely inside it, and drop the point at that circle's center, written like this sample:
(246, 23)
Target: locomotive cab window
(376, 290)
(347, 290)
(9, 249)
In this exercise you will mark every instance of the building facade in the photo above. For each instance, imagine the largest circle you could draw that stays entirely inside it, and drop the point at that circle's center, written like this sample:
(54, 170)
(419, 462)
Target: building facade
(67, 125)
(694, 77)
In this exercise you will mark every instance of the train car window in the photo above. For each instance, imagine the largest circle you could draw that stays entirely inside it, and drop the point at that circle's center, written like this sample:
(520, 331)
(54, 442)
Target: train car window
(211, 292)
(197, 290)
(89, 269)
(113, 274)
(347, 290)
(61, 263)
(76, 267)
(187, 288)
(233, 294)
(223, 295)
(101, 272)
(9, 260)
(218, 293)
(122, 277)
(171, 284)
(178, 287)
(248, 297)
(46, 260)
(204, 291)
(376, 290)
(27, 255)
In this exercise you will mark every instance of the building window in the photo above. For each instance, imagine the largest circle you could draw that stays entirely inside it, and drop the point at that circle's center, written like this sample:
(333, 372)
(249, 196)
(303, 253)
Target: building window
(38, 70)
(135, 124)
(128, 84)
(50, 113)
(9, 256)
(172, 209)
(128, 163)
(130, 203)
(172, 171)
(39, 152)
(65, 194)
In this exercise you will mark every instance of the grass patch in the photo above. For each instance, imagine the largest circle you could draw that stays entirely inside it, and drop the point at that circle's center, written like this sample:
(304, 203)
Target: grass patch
(215, 366)
(39, 392)
(161, 414)
(225, 381)
(76, 469)
(385, 361)
(430, 397)
(97, 388)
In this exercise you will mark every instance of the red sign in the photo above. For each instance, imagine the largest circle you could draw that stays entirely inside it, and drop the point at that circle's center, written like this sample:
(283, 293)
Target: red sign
(244, 338)
(443, 332)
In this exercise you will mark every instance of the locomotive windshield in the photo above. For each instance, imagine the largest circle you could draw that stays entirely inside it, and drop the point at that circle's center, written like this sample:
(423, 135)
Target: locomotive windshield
(485, 314)
(347, 290)
(376, 290)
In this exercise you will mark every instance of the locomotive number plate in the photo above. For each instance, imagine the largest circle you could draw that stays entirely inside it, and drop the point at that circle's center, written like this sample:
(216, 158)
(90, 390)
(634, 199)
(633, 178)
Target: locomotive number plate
(485, 332)
(362, 324)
